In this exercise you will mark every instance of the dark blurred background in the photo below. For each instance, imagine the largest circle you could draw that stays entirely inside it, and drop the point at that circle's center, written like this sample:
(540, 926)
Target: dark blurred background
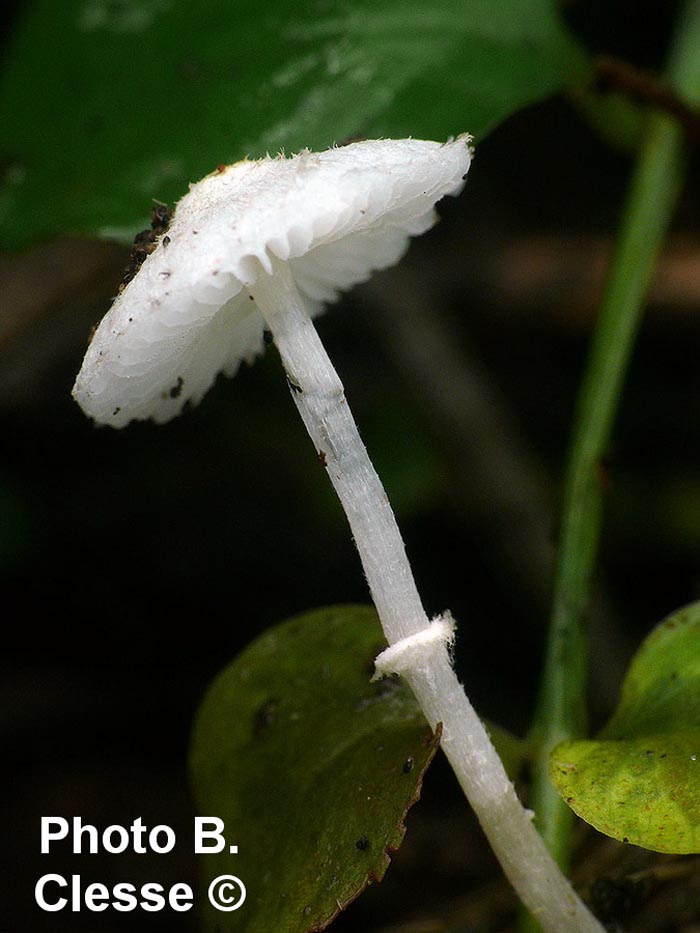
(135, 564)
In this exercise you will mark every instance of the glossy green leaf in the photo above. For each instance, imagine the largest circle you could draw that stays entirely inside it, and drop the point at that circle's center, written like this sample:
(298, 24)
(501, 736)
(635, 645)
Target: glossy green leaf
(640, 781)
(311, 767)
(107, 104)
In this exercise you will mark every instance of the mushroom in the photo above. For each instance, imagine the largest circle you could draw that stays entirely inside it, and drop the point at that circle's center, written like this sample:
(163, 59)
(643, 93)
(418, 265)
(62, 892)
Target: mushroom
(264, 245)
(240, 239)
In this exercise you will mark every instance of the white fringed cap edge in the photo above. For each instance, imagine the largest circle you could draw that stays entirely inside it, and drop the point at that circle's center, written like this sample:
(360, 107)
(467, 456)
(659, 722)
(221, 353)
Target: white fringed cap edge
(334, 217)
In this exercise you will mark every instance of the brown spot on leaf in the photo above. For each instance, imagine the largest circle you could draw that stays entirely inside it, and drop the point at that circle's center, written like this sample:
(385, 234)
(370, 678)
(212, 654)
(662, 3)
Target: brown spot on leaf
(265, 716)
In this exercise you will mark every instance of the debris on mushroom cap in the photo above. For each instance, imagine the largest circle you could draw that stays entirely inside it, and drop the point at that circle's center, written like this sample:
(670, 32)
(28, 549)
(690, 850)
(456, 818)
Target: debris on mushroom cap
(335, 216)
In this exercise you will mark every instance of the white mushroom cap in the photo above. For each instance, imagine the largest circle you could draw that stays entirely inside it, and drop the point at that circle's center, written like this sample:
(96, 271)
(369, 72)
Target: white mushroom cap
(334, 216)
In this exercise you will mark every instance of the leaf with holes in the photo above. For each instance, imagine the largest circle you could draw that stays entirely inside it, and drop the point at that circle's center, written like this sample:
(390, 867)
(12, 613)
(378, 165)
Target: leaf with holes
(640, 780)
(311, 767)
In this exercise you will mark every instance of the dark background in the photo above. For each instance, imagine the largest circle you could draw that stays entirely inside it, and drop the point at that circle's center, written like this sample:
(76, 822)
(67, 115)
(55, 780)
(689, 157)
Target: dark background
(134, 564)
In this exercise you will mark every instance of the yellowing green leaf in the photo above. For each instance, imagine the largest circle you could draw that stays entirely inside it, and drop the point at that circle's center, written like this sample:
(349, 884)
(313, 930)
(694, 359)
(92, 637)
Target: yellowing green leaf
(640, 781)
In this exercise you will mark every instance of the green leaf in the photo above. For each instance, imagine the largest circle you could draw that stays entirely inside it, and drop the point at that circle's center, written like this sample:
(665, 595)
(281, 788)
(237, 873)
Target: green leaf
(311, 767)
(661, 692)
(107, 104)
(640, 781)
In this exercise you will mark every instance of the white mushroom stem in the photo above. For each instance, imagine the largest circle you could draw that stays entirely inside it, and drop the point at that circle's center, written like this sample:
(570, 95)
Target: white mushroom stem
(424, 661)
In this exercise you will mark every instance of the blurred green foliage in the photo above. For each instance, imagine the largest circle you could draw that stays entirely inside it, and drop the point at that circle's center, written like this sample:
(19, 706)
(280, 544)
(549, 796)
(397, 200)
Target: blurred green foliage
(108, 104)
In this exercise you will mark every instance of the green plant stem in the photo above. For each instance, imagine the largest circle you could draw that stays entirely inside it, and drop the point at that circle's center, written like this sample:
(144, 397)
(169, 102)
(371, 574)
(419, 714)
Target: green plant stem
(651, 199)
